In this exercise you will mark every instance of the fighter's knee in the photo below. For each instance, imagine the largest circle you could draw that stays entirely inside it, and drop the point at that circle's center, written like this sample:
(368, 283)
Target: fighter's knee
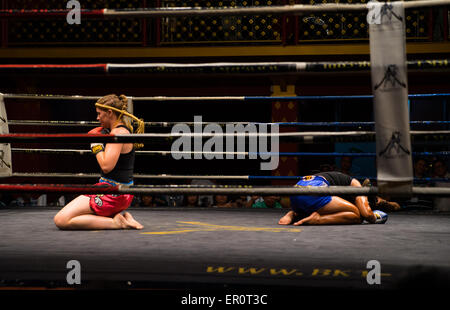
(354, 209)
(61, 221)
(356, 218)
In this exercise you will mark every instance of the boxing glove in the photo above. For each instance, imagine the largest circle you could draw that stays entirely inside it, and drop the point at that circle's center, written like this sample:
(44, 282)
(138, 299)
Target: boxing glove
(99, 130)
(98, 147)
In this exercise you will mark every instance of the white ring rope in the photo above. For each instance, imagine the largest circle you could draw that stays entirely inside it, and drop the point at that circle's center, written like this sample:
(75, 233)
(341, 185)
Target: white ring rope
(296, 9)
(225, 189)
(147, 98)
(84, 152)
(282, 191)
(136, 176)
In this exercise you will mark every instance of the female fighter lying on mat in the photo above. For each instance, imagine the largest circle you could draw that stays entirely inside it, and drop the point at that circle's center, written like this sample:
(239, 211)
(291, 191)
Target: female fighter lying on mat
(328, 210)
(116, 161)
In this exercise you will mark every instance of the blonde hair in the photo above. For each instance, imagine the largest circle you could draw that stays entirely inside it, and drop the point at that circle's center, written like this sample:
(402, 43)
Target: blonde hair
(119, 105)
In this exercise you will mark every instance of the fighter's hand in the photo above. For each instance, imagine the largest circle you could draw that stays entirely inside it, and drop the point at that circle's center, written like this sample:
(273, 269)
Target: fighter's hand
(98, 147)
(99, 130)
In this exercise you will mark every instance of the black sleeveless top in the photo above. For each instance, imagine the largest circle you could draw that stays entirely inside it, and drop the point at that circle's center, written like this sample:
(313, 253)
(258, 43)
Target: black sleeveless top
(123, 171)
(336, 178)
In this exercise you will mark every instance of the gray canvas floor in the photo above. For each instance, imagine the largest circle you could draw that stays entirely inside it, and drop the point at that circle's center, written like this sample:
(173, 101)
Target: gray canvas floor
(216, 247)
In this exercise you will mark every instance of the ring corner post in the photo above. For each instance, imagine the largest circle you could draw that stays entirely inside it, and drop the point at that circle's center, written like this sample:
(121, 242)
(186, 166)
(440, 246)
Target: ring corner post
(5, 149)
(130, 107)
(390, 90)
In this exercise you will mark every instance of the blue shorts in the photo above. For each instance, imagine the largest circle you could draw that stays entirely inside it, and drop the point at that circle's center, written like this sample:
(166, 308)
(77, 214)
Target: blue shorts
(309, 204)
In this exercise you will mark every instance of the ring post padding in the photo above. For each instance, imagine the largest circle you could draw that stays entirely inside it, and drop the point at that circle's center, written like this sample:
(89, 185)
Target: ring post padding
(130, 107)
(5, 148)
(390, 90)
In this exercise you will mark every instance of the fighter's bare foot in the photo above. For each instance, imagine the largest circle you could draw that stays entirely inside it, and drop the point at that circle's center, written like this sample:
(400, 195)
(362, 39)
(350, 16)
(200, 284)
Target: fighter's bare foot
(287, 219)
(130, 219)
(120, 221)
(387, 206)
(313, 219)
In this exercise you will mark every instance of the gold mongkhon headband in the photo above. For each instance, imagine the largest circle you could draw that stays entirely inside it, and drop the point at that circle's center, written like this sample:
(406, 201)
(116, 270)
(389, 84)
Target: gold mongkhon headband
(140, 122)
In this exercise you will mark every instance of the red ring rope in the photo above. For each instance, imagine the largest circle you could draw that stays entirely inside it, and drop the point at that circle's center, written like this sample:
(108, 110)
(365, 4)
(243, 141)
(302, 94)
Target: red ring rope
(87, 189)
(14, 13)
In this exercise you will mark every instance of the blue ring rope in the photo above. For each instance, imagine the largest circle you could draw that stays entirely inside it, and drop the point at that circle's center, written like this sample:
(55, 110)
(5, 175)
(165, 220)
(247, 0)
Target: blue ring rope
(350, 124)
(296, 177)
(337, 154)
(250, 98)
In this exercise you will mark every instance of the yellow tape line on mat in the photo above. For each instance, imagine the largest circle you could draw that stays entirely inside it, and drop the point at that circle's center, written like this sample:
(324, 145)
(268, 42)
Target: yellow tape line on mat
(213, 227)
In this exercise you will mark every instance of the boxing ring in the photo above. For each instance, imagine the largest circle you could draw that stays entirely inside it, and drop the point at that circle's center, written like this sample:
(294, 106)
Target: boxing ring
(208, 248)
(185, 248)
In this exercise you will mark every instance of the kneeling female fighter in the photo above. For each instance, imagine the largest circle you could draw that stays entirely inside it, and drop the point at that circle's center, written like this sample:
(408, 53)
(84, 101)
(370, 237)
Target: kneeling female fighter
(328, 210)
(116, 162)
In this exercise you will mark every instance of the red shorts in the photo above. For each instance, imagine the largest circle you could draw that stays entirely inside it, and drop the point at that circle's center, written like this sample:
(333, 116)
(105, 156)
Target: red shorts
(109, 205)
